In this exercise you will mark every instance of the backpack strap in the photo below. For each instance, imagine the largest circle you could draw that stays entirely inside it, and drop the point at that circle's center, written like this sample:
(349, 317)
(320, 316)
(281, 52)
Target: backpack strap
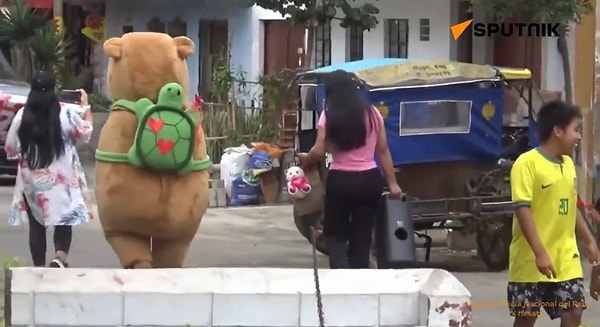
(112, 157)
(123, 104)
(196, 165)
(138, 108)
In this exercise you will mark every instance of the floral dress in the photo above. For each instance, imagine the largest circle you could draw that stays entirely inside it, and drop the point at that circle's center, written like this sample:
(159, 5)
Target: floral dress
(57, 195)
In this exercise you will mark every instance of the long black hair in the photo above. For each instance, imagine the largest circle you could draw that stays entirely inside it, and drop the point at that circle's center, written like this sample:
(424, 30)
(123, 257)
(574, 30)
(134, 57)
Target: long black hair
(40, 132)
(346, 112)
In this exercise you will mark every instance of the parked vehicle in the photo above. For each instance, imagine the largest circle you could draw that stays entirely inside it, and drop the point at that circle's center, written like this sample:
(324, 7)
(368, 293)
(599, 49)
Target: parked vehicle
(13, 95)
(453, 130)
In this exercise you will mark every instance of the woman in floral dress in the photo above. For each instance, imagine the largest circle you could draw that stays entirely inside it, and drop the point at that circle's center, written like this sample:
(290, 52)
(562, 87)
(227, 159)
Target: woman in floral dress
(50, 189)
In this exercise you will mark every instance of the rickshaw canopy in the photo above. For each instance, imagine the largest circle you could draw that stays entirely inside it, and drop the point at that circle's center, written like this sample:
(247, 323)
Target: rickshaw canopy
(433, 111)
(390, 73)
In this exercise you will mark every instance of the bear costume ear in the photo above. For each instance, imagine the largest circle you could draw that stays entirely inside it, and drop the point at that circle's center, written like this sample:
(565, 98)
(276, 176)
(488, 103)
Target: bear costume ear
(112, 47)
(185, 46)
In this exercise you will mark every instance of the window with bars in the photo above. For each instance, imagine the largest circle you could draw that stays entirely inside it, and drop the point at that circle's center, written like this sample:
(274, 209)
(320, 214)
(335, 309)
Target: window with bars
(355, 38)
(156, 25)
(177, 27)
(396, 38)
(323, 45)
(424, 29)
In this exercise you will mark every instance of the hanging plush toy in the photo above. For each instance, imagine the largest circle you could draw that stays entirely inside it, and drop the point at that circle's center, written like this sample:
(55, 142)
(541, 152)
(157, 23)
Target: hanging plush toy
(297, 185)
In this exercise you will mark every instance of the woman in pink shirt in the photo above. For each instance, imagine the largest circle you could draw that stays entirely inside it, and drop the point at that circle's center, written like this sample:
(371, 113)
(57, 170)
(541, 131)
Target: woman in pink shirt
(353, 132)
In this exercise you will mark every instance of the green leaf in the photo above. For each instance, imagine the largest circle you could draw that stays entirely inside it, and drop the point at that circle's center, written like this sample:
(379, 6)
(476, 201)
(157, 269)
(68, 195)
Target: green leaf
(19, 22)
(49, 47)
(536, 11)
(313, 12)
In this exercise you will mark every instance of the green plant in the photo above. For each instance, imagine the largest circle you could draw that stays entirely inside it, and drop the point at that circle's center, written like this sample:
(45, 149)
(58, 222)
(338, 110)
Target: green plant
(13, 262)
(49, 48)
(71, 81)
(275, 90)
(226, 123)
(564, 12)
(99, 102)
(34, 43)
(8, 263)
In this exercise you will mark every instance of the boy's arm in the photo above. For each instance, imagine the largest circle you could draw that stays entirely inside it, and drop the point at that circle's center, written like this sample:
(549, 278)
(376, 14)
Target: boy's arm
(529, 232)
(521, 180)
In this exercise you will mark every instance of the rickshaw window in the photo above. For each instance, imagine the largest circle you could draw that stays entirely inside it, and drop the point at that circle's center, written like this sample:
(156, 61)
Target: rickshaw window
(435, 117)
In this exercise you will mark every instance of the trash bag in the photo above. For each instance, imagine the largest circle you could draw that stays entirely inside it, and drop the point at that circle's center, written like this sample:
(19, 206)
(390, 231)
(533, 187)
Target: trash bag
(233, 162)
(260, 160)
(245, 189)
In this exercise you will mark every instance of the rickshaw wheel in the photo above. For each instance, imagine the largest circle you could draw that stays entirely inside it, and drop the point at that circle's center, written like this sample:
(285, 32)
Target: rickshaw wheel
(304, 225)
(493, 244)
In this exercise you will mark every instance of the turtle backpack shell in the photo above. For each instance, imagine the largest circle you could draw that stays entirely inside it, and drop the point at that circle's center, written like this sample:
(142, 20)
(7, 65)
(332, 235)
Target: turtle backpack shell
(165, 139)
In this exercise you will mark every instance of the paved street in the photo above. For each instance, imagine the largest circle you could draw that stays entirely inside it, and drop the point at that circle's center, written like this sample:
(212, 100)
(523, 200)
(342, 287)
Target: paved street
(267, 237)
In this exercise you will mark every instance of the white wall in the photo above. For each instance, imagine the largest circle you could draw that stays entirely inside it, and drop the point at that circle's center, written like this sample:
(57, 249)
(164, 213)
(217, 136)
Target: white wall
(437, 48)
(552, 71)
(244, 27)
(247, 29)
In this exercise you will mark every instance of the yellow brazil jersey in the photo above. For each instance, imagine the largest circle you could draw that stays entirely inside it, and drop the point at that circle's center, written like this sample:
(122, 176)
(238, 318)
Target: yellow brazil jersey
(548, 187)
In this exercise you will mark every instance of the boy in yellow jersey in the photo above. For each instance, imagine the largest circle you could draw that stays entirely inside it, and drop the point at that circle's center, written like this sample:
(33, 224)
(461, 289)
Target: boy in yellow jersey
(545, 268)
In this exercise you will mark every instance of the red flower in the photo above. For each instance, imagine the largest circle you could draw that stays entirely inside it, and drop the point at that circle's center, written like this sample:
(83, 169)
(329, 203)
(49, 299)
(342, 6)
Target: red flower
(580, 203)
(197, 102)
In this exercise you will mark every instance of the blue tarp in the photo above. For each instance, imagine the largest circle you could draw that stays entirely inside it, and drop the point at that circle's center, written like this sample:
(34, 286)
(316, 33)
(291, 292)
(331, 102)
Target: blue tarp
(482, 142)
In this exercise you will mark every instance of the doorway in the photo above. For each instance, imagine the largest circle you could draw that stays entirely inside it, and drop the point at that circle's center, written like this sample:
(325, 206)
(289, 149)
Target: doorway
(284, 46)
(213, 36)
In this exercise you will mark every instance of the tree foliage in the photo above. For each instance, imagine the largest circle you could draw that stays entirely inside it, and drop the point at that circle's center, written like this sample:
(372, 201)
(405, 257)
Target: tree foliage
(537, 11)
(318, 12)
(34, 43)
(564, 12)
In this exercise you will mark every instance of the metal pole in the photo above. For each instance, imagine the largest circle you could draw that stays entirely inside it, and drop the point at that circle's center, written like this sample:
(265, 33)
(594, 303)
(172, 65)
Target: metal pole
(585, 66)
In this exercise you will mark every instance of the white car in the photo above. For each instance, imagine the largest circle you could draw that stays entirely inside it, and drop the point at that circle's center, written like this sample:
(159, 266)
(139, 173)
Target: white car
(13, 95)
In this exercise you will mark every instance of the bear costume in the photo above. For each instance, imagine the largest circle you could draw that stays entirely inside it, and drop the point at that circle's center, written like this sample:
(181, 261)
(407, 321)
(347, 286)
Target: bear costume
(150, 216)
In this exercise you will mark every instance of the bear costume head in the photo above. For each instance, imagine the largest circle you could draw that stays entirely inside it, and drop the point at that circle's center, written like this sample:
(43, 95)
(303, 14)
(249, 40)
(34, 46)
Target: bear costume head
(141, 63)
(136, 205)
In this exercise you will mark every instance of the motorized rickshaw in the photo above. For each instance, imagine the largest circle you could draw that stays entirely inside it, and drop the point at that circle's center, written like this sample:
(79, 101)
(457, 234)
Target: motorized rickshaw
(453, 130)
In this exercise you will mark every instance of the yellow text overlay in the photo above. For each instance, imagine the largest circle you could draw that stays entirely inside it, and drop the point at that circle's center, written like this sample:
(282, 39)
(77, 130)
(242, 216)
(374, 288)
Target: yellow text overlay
(517, 306)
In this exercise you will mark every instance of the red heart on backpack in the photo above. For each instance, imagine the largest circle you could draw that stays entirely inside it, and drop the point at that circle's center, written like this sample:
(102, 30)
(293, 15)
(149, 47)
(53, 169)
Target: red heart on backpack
(155, 124)
(164, 146)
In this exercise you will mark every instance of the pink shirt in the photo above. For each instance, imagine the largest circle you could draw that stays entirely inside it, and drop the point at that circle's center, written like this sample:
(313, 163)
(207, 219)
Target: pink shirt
(359, 159)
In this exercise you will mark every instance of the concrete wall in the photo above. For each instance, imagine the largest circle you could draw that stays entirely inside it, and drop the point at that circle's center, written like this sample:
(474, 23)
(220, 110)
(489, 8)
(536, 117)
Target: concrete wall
(236, 297)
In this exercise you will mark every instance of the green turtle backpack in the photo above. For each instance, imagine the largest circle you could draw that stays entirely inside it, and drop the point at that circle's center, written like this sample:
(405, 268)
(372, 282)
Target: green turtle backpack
(165, 136)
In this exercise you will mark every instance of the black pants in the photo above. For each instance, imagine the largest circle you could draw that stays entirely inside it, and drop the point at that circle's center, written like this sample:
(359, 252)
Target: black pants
(37, 240)
(351, 200)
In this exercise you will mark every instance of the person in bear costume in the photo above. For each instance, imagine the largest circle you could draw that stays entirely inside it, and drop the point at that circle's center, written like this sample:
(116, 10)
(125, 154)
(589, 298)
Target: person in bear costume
(149, 217)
